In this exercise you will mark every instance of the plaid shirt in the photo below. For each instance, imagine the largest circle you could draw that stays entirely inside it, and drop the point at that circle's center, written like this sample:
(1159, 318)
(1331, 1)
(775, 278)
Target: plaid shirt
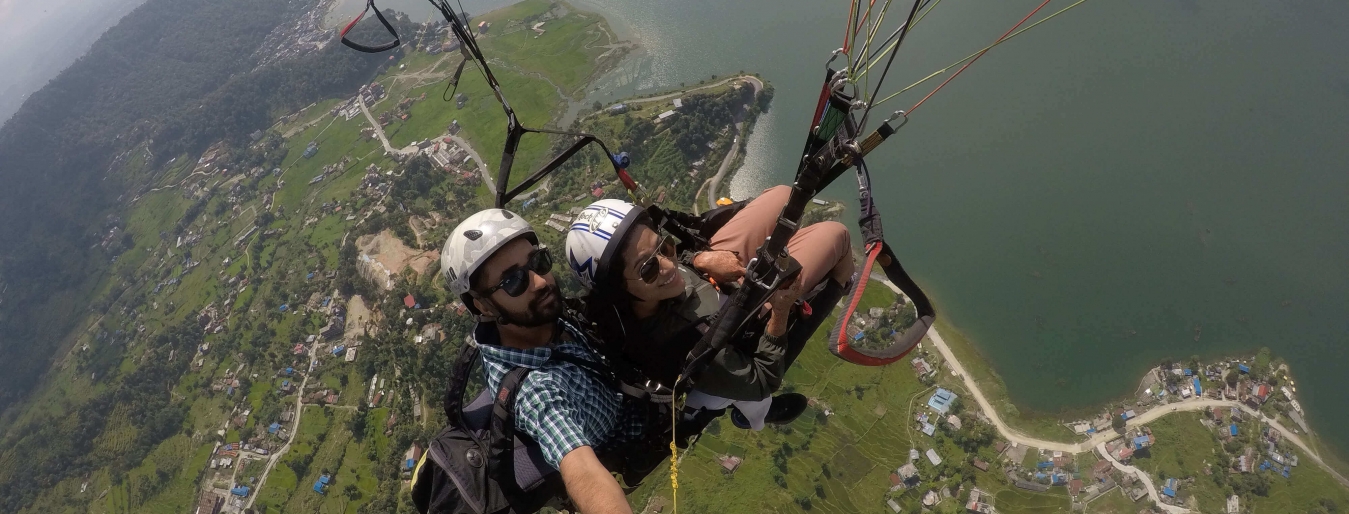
(561, 406)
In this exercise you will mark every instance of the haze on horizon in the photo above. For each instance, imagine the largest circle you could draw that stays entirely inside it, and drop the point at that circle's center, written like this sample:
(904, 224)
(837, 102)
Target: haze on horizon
(39, 39)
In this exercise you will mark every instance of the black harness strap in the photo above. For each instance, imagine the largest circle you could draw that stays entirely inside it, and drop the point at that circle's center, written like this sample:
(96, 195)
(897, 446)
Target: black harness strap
(502, 427)
(370, 6)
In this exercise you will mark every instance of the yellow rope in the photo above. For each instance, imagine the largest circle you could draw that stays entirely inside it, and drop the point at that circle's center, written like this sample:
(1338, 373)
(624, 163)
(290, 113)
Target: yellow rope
(674, 452)
(976, 54)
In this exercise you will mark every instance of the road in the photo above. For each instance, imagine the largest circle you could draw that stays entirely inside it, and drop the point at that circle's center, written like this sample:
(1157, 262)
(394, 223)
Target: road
(1098, 440)
(482, 165)
(715, 184)
(379, 131)
(294, 429)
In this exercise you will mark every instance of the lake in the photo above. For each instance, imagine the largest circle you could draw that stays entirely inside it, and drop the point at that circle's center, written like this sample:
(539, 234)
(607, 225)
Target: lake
(1089, 197)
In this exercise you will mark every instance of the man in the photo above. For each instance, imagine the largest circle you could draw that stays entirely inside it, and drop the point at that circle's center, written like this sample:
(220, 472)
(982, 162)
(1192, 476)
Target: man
(494, 263)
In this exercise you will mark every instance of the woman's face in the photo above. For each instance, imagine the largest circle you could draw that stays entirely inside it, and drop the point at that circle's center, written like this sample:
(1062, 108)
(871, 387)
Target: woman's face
(643, 255)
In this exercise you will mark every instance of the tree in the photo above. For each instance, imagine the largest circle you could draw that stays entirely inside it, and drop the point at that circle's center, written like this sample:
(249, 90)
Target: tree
(1232, 377)
(597, 105)
(1117, 423)
(352, 492)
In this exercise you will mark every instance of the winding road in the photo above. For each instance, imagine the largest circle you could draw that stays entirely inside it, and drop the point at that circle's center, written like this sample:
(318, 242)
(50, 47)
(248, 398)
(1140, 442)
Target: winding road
(294, 429)
(1098, 441)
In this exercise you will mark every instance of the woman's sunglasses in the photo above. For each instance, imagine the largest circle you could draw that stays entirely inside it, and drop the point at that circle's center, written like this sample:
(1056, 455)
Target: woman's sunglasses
(650, 269)
(515, 281)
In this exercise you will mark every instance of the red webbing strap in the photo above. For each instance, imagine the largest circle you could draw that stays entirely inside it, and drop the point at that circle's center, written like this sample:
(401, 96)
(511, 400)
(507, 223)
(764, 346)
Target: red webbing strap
(901, 343)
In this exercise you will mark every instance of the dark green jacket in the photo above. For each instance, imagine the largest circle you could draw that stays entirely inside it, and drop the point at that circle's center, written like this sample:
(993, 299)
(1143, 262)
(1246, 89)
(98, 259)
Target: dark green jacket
(747, 369)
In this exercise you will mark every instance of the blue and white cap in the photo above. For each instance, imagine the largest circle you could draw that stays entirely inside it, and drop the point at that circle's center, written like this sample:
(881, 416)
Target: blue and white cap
(594, 238)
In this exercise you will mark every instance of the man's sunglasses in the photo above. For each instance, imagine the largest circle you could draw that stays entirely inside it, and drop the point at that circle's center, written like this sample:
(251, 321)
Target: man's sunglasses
(650, 269)
(515, 281)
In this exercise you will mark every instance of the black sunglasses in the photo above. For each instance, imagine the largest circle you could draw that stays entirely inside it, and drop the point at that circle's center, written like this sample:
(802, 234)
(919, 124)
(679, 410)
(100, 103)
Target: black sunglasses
(650, 269)
(515, 280)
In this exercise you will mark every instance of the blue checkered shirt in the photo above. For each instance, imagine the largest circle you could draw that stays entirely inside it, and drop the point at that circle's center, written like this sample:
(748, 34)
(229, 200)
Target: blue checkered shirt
(561, 406)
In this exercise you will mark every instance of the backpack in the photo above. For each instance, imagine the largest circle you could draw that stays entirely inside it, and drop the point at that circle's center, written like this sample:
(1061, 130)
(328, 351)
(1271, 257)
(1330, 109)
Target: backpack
(478, 464)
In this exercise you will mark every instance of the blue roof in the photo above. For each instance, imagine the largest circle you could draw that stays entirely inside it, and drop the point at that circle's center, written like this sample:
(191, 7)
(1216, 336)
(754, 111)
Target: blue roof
(240, 491)
(1040, 475)
(323, 480)
(1188, 372)
(285, 383)
(1243, 368)
(1169, 492)
(290, 370)
(339, 349)
(1197, 388)
(273, 427)
(859, 336)
(941, 400)
(1045, 465)
(1234, 429)
(1140, 441)
(409, 463)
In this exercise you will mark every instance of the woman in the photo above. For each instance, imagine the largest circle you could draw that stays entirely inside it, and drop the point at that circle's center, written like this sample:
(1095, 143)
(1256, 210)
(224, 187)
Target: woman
(654, 309)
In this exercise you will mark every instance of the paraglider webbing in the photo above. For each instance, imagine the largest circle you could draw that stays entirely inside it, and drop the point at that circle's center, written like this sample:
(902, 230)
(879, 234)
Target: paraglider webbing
(369, 6)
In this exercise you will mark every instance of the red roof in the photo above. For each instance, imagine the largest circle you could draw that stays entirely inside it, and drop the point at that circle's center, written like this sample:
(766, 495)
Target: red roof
(1263, 391)
(597, 192)
(409, 301)
(1074, 487)
(894, 479)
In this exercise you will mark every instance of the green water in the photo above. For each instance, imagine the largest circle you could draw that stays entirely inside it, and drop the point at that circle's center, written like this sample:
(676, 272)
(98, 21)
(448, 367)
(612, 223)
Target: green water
(1087, 195)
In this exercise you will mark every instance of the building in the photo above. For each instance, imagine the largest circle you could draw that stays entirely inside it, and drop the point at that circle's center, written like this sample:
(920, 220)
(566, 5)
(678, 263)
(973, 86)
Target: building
(1233, 504)
(979, 463)
(941, 400)
(662, 116)
(730, 463)
(933, 458)
(209, 503)
(1101, 469)
(321, 484)
(893, 506)
(908, 474)
(953, 421)
(929, 429)
(241, 491)
(921, 367)
(1074, 487)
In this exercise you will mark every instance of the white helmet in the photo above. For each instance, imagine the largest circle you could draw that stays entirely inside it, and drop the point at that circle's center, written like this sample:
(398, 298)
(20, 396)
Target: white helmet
(475, 240)
(594, 238)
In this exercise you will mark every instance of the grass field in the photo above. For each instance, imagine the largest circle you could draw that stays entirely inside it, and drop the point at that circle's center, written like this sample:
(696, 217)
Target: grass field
(565, 52)
(1183, 447)
(1113, 502)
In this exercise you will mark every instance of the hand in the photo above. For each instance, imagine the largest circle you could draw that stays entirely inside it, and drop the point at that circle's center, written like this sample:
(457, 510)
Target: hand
(723, 266)
(780, 305)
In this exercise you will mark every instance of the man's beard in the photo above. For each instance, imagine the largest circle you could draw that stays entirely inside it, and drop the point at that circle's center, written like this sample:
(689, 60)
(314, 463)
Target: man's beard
(544, 309)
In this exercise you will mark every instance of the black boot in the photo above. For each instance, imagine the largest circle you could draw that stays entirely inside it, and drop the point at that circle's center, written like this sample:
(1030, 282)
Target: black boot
(785, 409)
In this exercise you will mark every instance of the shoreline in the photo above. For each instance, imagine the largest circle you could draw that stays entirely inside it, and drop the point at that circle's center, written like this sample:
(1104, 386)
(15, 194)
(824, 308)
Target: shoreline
(1097, 441)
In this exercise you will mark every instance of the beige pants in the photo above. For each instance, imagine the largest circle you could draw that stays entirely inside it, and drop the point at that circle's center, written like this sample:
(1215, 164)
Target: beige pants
(819, 248)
